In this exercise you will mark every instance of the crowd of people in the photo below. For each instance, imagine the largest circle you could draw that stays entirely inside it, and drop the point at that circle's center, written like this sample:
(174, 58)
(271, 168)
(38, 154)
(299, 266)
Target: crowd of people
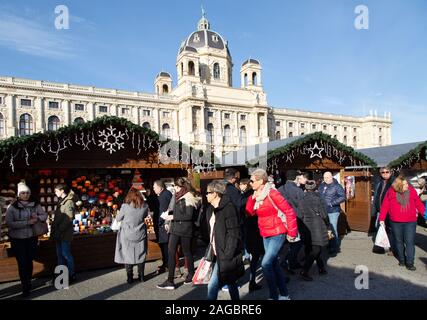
(282, 229)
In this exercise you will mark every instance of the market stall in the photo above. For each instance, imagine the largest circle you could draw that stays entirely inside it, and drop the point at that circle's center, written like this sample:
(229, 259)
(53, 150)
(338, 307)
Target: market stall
(315, 154)
(100, 161)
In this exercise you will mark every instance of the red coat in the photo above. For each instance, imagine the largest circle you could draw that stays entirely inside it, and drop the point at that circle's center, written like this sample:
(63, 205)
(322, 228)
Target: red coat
(394, 209)
(269, 222)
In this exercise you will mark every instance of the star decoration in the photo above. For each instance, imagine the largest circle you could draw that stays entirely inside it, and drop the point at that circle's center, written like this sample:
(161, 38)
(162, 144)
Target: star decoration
(316, 154)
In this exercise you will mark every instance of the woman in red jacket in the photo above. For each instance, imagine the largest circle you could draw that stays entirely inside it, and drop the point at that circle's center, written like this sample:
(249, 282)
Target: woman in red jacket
(402, 204)
(263, 203)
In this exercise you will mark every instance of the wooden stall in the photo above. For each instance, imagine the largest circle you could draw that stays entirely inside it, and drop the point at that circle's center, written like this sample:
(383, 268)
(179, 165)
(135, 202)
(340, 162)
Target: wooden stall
(315, 154)
(100, 160)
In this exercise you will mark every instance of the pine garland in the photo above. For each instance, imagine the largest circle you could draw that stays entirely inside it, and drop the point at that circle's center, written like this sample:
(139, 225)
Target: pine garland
(408, 157)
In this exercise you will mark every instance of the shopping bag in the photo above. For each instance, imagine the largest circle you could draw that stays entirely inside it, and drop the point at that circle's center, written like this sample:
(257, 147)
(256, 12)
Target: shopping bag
(203, 273)
(382, 240)
(115, 226)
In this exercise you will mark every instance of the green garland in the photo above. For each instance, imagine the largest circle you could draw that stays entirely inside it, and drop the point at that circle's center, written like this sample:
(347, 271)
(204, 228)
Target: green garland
(407, 156)
(318, 136)
(13, 143)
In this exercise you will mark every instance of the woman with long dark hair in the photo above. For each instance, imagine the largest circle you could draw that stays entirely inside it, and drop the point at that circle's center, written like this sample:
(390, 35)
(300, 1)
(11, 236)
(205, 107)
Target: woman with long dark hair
(131, 245)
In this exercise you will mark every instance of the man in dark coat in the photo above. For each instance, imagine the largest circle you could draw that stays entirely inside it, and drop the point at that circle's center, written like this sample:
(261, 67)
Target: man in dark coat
(164, 198)
(386, 180)
(236, 197)
(293, 195)
(333, 194)
(226, 242)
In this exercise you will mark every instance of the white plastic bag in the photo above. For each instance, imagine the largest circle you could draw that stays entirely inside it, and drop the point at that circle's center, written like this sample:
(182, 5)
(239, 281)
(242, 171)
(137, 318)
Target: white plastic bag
(115, 226)
(382, 240)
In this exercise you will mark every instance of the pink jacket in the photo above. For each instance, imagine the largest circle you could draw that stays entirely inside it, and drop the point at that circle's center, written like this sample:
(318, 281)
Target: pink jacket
(397, 213)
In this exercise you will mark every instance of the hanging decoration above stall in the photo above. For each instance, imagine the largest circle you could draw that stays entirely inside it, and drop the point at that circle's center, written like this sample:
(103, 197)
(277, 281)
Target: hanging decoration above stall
(111, 134)
(411, 158)
(316, 147)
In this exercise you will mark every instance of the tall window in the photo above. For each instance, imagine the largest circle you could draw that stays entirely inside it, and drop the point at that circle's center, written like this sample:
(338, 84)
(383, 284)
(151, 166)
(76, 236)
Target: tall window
(278, 137)
(227, 134)
(355, 142)
(242, 135)
(79, 120)
(291, 124)
(245, 80)
(254, 79)
(53, 123)
(226, 116)
(166, 130)
(182, 68)
(380, 140)
(290, 135)
(344, 140)
(165, 89)
(277, 123)
(216, 71)
(243, 117)
(325, 127)
(25, 125)
(191, 70)
(1, 100)
(2, 126)
(302, 125)
(146, 125)
(313, 126)
(210, 133)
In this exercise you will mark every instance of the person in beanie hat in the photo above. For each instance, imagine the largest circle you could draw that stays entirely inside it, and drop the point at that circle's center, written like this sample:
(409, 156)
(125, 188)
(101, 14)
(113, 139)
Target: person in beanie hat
(21, 215)
(315, 218)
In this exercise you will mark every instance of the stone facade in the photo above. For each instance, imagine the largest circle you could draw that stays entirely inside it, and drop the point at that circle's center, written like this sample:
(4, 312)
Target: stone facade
(204, 110)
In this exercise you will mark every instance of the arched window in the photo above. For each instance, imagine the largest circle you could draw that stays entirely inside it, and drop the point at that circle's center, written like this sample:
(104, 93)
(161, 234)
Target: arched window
(146, 125)
(242, 135)
(355, 141)
(290, 135)
(245, 80)
(166, 130)
(278, 137)
(2, 126)
(254, 79)
(380, 140)
(216, 71)
(182, 69)
(191, 70)
(165, 89)
(227, 134)
(335, 136)
(344, 140)
(25, 125)
(53, 123)
(210, 133)
(157, 90)
(79, 120)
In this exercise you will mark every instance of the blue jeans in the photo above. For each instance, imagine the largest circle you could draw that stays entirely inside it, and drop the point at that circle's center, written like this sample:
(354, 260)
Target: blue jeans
(214, 286)
(404, 239)
(336, 241)
(63, 251)
(270, 266)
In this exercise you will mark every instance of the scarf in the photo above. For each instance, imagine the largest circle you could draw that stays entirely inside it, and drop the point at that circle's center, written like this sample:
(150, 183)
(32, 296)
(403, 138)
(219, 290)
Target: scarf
(181, 193)
(403, 200)
(260, 198)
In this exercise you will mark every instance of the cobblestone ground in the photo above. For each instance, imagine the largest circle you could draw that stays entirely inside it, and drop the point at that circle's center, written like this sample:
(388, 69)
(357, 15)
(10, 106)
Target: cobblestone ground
(386, 280)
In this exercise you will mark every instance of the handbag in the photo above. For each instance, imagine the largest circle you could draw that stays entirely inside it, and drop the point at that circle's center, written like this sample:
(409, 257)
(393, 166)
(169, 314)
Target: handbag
(40, 228)
(115, 226)
(282, 216)
(204, 270)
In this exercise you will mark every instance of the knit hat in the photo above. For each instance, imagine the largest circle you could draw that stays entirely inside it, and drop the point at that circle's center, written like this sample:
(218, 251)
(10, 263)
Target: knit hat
(310, 185)
(22, 187)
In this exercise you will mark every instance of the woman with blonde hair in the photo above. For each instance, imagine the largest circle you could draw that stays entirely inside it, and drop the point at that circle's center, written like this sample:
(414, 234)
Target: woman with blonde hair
(131, 244)
(402, 204)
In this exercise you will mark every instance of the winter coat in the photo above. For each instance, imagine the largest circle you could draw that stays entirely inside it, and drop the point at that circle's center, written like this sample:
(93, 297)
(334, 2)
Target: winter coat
(17, 216)
(228, 241)
(62, 226)
(131, 242)
(164, 199)
(269, 222)
(184, 215)
(314, 216)
(253, 240)
(397, 212)
(292, 194)
(236, 197)
(379, 196)
(333, 194)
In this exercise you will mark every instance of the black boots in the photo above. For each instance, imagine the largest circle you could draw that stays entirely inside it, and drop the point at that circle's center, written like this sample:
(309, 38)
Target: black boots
(141, 268)
(130, 277)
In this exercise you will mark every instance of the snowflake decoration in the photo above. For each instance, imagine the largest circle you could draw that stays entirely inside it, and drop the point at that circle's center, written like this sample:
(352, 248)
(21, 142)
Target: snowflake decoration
(110, 140)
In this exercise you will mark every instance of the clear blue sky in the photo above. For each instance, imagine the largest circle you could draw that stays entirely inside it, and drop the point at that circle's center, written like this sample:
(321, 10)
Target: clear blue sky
(313, 57)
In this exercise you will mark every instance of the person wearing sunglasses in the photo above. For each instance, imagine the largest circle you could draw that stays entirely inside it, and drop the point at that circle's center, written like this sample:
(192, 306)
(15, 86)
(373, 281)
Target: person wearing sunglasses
(386, 180)
(266, 203)
(21, 215)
